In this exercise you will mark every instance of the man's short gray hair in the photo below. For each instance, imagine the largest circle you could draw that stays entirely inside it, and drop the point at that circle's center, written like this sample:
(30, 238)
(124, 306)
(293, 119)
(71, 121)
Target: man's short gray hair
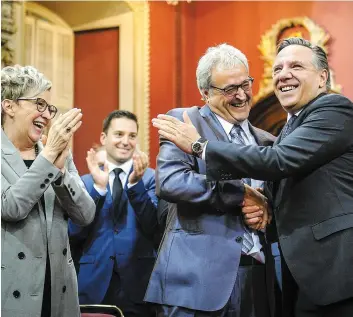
(22, 81)
(222, 57)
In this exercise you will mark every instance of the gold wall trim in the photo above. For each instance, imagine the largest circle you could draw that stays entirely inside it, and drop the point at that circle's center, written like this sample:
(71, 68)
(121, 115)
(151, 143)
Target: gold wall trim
(268, 47)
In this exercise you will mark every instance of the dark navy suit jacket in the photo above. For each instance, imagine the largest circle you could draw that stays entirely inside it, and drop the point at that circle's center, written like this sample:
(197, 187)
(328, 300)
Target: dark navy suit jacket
(313, 205)
(199, 255)
(129, 242)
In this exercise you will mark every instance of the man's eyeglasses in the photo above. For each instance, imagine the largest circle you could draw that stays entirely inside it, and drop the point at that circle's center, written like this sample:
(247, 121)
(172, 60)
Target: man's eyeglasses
(231, 90)
(42, 105)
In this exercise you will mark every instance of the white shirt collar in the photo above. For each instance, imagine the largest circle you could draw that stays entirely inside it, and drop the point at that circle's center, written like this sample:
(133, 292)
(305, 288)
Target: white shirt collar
(289, 115)
(126, 167)
(227, 126)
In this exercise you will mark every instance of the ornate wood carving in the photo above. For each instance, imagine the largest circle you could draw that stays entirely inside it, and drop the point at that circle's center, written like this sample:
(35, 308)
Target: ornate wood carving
(267, 113)
(8, 29)
(175, 2)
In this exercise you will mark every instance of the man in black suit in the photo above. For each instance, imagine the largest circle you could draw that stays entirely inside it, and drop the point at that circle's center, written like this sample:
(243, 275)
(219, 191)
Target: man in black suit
(311, 165)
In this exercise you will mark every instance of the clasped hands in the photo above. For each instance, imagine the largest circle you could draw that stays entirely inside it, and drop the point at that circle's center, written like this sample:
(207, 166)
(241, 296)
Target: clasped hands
(256, 211)
(57, 144)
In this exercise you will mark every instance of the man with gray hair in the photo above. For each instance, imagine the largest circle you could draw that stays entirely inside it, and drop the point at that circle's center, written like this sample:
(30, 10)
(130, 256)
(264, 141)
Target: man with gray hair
(311, 165)
(210, 263)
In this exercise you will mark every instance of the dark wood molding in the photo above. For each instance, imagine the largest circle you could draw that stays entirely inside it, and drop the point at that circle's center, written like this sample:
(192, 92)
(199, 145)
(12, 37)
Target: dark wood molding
(268, 114)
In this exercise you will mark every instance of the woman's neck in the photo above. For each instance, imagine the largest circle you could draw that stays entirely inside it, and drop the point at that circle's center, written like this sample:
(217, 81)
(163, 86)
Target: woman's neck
(23, 144)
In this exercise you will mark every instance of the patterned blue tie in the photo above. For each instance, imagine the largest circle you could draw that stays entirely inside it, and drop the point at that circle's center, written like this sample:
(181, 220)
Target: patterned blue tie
(287, 129)
(237, 138)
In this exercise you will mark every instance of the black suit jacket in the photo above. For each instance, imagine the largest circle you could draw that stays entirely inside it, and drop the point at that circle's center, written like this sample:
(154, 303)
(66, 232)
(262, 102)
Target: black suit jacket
(313, 205)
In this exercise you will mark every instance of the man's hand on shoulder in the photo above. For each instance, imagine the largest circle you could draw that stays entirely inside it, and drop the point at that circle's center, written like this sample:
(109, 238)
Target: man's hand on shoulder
(256, 211)
(140, 164)
(182, 134)
(100, 176)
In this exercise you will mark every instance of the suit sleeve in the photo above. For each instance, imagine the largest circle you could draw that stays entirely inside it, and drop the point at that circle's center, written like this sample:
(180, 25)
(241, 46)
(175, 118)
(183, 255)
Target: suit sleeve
(325, 134)
(178, 180)
(143, 200)
(79, 232)
(73, 196)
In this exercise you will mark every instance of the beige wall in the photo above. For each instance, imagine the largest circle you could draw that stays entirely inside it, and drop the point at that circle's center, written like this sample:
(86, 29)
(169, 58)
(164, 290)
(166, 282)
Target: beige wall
(132, 18)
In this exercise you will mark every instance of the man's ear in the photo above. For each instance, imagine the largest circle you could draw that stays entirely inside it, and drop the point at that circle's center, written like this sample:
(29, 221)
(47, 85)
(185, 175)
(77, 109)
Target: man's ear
(205, 94)
(103, 138)
(323, 78)
(8, 107)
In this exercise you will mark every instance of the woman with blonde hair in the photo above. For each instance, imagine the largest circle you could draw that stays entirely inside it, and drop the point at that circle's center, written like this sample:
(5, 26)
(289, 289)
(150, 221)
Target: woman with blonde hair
(40, 190)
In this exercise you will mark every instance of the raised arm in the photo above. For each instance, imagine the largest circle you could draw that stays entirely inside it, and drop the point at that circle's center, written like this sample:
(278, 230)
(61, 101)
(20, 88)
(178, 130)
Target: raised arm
(73, 196)
(325, 134)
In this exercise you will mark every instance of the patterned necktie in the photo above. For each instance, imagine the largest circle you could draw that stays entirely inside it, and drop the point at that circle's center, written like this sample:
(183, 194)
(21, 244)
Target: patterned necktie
(237, 138)
(287, 129)
(117, 193)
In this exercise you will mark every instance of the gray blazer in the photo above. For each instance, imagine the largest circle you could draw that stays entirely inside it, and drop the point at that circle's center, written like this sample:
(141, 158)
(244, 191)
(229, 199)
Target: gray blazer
(200, 252)
(27, 230)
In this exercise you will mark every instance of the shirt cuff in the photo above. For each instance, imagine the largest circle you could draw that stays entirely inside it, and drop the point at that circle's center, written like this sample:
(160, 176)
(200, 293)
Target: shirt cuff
(131, 185)
(100, 191)
(203, 156)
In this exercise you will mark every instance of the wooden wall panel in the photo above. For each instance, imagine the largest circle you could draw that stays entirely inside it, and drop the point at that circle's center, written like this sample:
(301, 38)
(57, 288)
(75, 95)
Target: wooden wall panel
(96, 86)
(208, 23)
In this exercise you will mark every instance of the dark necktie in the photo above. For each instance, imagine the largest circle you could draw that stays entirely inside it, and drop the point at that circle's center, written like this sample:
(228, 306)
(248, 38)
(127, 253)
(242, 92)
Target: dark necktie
(288, 127)
(117, 193)
(236, 137)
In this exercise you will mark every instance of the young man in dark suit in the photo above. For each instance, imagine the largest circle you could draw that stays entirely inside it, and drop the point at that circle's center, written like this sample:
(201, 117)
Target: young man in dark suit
(311, 164)
(209, 263)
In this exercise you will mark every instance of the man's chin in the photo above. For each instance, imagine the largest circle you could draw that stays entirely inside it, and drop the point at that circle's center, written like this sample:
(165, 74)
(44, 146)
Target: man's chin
(123, 159)
(288, 106)
(241, 115)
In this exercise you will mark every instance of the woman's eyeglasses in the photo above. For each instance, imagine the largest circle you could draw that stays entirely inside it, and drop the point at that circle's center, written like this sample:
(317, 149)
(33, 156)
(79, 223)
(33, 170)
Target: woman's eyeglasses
(42, 105)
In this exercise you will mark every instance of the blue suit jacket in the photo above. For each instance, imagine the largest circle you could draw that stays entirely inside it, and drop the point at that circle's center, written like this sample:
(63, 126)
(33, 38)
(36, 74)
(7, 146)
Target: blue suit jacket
(199, 256)
(129, 242)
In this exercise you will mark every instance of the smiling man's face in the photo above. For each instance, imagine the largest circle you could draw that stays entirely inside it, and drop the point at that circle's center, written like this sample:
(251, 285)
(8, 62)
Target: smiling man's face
(120, 140)
(235, 108)
(296, 80)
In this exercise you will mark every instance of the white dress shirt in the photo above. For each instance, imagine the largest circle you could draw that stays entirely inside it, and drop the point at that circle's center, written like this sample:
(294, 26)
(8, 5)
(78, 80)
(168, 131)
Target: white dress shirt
(126, 167)
(249, 139)
(289, 115)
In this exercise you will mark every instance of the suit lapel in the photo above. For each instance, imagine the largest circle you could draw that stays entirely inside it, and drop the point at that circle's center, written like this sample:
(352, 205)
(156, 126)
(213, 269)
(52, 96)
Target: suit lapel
(49, 200)
(213, 130)
(258, 135)
(12, 156)
(280, 188)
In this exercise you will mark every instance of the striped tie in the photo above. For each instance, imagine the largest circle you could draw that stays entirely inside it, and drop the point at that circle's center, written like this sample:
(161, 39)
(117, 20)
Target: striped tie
(237, 138)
